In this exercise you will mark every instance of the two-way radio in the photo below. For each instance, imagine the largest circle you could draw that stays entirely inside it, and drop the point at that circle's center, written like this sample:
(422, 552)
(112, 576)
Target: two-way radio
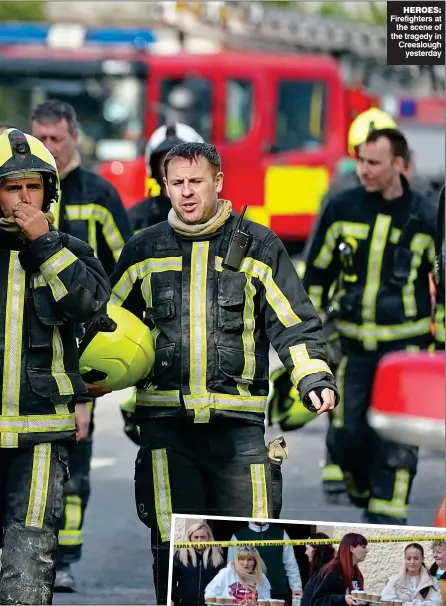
(238, 245)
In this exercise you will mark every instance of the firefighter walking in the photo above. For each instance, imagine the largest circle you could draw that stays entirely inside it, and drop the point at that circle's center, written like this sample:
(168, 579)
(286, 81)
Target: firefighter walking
(376, 242)
(50, 281)
(91, 210)
(214, 304)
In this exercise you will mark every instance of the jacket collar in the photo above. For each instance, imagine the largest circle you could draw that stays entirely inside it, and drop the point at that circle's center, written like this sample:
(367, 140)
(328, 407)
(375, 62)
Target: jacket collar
(258, 528)
(425, 579)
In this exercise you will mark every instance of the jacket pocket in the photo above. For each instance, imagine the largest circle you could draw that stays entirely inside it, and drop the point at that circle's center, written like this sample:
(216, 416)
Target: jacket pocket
(402, 265)
(163, 359)
(231, 298)
(231, 362)
(41, 318)
(163, 306)
(44, 383)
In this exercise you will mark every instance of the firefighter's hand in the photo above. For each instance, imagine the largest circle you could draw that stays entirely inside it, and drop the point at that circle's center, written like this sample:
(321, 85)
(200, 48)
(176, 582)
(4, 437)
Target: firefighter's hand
(96, 391)
(82, 421)
(31, 221)
(323, 403)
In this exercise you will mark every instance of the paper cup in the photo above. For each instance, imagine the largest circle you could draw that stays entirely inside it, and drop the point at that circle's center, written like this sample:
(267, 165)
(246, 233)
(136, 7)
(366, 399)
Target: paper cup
(220, 601)
(211, 600)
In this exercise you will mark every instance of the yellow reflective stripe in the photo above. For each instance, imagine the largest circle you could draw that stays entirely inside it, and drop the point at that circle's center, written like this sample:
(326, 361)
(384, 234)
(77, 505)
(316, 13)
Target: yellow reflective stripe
(259, 492)
(359, 231)
(419, 244)
(157, 398)
(197, 335)
(72, 537)
(413, 348)
(376, 254)
(397, 507)
(36, 423)
(339, 411)
(38, 281)
(73, 513)
(315, 293)
(395, 234)
(163, 499)
(332, 473)
(139, 271)
(39, 485)
(96, 212)
(92, 235)
(15, 300)
(275, 297)
(249, 347)
(64, 384)
(304, 365)
(229, 402)
(53, 267)
(439, 323)
(384, 333)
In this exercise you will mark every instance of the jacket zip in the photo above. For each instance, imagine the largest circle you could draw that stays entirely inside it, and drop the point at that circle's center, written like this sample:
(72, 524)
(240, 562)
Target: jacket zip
(199, 583)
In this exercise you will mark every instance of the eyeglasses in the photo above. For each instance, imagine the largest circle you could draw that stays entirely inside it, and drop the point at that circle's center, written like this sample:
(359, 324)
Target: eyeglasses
(247, 548)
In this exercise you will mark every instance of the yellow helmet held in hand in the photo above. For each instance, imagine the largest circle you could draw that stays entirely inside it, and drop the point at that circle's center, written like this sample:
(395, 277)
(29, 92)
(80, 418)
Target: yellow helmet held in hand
(21, 154)
(117, 350)
(362, 125)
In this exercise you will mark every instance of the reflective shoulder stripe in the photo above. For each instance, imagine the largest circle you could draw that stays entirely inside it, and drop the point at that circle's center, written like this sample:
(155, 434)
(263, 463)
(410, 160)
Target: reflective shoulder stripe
(138, 271)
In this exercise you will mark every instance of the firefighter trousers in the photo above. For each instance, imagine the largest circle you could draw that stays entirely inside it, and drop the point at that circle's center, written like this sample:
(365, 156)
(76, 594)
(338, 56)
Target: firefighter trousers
(31, 509)
(377, 472)
(202, 469)
(77, 494)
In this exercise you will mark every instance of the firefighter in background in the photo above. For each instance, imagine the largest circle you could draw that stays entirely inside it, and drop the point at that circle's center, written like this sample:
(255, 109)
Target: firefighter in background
(382, 304)
(213, 305)
(286, 407)
(50, 281)
(155, 208)
(91, 210)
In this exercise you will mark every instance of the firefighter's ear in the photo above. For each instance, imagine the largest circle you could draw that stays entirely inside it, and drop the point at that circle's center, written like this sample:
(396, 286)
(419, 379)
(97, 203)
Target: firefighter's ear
(218, 182)
(399, 164)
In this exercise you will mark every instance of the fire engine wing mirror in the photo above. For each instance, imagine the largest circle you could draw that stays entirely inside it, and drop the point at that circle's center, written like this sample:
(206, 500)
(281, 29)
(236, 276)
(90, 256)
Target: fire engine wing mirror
(270, 148)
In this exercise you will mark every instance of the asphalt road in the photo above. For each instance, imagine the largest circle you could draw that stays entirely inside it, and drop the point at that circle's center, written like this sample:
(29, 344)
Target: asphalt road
(116, 566)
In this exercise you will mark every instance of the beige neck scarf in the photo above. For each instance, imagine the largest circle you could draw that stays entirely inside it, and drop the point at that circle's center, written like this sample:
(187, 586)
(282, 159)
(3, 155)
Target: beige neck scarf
(224, 208)
(10, 224)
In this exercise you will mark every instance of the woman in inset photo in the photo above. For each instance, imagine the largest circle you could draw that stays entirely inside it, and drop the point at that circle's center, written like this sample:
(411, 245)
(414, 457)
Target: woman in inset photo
(318, 555)
(341, 576)
(413, 585)
(194, 568)
(243, 579)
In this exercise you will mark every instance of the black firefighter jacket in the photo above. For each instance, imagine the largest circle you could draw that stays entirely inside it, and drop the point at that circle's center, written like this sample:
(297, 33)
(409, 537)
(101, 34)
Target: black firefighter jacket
(382, 299)
(148, 212)
(92, 211)
(212, 326)
(46, 287)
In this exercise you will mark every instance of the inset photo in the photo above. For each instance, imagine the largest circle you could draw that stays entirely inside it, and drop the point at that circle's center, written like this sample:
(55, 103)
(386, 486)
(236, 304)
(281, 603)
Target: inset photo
(253, 562)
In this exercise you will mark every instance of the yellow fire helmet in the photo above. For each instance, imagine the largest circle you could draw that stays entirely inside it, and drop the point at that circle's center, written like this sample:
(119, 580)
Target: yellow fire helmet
(362, 125)
(22, 154)
(117, 350)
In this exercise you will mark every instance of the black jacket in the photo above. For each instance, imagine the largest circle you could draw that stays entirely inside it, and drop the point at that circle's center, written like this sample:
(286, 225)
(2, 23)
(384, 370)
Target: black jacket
(433, 571)
(329, 589)
(213, 326)
(148, 212)
(91, 210)
(307, 596)
(189, 582)
(384, 296)
(47, 286)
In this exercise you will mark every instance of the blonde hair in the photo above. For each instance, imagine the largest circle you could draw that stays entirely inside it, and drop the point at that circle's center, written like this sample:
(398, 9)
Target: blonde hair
(213, 555)
(256, 576)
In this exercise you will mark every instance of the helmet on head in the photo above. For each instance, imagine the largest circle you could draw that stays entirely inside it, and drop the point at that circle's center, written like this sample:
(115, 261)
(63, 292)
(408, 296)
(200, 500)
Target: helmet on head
(117, 350)
(362, 125)
(164, 139)
(22, 154)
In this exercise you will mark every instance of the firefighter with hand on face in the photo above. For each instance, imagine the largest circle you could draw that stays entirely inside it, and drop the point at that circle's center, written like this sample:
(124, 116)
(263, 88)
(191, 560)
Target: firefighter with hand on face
(50, 281)
(156, 207)
(376, 242)
(91, 210)
(214, 305)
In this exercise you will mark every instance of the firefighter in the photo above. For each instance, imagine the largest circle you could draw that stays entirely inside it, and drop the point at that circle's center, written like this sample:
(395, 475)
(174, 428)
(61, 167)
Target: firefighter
(347, 178)
(382, 304)
(50, 281)
(91, 210)
(156, 207)
(213, 304)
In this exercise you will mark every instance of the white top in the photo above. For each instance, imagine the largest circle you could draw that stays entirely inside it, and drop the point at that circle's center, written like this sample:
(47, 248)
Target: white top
(228, 584)
(403, 587)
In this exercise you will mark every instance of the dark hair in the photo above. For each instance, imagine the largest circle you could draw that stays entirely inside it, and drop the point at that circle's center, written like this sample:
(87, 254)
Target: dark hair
(343, 562)
(322, 555)
(53, 111)
(397, 140)
(424, 592)
(194, 151)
